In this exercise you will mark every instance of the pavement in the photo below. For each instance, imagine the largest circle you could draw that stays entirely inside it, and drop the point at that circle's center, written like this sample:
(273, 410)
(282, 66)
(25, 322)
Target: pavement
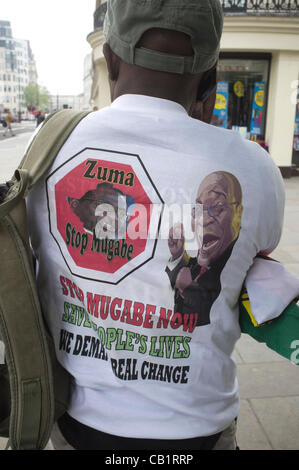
(268, 383)
(12, 148)
(18, 128)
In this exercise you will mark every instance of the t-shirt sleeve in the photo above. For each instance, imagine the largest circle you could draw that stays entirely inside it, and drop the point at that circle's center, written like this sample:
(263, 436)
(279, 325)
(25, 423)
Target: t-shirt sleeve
(271, 211)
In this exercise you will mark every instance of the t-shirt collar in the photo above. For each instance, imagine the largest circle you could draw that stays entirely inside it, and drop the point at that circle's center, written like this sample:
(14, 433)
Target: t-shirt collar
(148, 104)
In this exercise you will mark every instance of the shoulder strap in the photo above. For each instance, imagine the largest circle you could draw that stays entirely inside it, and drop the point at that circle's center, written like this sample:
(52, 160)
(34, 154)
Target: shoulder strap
(48, 141)
(22, 330)
(40, 154)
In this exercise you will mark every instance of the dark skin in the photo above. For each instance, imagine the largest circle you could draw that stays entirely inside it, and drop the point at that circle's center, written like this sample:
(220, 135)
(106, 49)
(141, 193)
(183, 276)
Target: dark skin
(181, 88)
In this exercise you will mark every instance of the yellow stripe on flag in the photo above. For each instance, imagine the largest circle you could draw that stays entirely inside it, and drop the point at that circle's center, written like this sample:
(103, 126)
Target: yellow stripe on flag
(247, 306)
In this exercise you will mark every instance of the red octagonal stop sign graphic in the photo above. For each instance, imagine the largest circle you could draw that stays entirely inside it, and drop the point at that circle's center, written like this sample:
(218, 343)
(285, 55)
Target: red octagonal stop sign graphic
(104, 213)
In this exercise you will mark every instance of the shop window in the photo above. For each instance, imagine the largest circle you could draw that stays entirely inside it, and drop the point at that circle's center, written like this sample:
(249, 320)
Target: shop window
(296, 133)
(242, 96)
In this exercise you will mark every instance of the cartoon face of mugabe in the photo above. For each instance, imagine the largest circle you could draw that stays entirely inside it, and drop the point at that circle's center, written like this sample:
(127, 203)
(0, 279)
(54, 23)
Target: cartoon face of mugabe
(104, 210)
(216, 222)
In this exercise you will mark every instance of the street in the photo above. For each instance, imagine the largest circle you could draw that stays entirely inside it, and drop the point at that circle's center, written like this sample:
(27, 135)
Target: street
(12, 148)
(18, 128)
(268, 383)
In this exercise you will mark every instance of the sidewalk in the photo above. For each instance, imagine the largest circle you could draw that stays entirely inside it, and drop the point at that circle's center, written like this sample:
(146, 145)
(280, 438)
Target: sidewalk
(269, 384)
(17, 127)
(12, 149)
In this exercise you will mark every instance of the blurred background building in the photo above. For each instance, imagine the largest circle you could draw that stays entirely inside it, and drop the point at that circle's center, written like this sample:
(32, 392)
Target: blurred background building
(77, 102)
(258, 74)
(66, 102)
(17, 70)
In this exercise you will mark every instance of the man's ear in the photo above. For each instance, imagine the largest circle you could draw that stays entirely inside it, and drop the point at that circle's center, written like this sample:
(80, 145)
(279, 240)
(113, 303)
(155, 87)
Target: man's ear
(203, 110)
(112, 61)
(208, 107)
(206, 97)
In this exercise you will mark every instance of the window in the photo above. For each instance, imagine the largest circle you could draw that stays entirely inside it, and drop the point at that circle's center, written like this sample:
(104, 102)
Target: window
(241, 94)
(296, 132)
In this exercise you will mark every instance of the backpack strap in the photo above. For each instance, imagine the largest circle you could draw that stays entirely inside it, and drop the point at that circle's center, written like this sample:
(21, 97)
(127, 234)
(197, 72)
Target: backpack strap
(32, 404)
(48, 141)
(40, 154)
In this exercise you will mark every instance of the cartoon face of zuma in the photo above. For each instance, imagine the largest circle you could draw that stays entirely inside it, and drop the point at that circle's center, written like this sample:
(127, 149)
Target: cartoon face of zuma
(104, 210)
(216, 216)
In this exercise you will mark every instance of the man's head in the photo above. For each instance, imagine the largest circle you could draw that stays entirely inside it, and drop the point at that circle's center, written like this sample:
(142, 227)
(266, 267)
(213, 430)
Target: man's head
(216, 217)
(105, 210)
(162, 48)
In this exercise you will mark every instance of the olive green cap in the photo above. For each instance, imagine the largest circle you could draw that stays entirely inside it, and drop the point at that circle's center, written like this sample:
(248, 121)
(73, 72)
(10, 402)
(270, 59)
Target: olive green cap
(127, 20)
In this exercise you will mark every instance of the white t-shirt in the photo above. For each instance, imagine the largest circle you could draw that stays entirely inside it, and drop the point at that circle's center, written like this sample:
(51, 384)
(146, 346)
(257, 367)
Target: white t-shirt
(146, 324)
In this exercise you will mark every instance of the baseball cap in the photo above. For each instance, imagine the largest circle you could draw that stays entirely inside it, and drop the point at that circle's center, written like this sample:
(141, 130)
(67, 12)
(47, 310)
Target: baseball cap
(202, 20)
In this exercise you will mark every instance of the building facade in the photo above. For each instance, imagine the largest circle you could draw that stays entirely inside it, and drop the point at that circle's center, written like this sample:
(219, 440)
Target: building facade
(100, 94)
(258, 74)
(74, 102)
(87, 82)
(260, 65)
(17, 70)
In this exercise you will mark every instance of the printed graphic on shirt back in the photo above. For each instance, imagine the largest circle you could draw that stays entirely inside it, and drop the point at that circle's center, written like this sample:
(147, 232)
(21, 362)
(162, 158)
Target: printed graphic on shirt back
(148, 341)
(104, 214)
(216, 223)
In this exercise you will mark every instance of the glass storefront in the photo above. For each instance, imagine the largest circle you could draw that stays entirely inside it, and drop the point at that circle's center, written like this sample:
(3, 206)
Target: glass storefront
(241, 101)
(295, 160)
